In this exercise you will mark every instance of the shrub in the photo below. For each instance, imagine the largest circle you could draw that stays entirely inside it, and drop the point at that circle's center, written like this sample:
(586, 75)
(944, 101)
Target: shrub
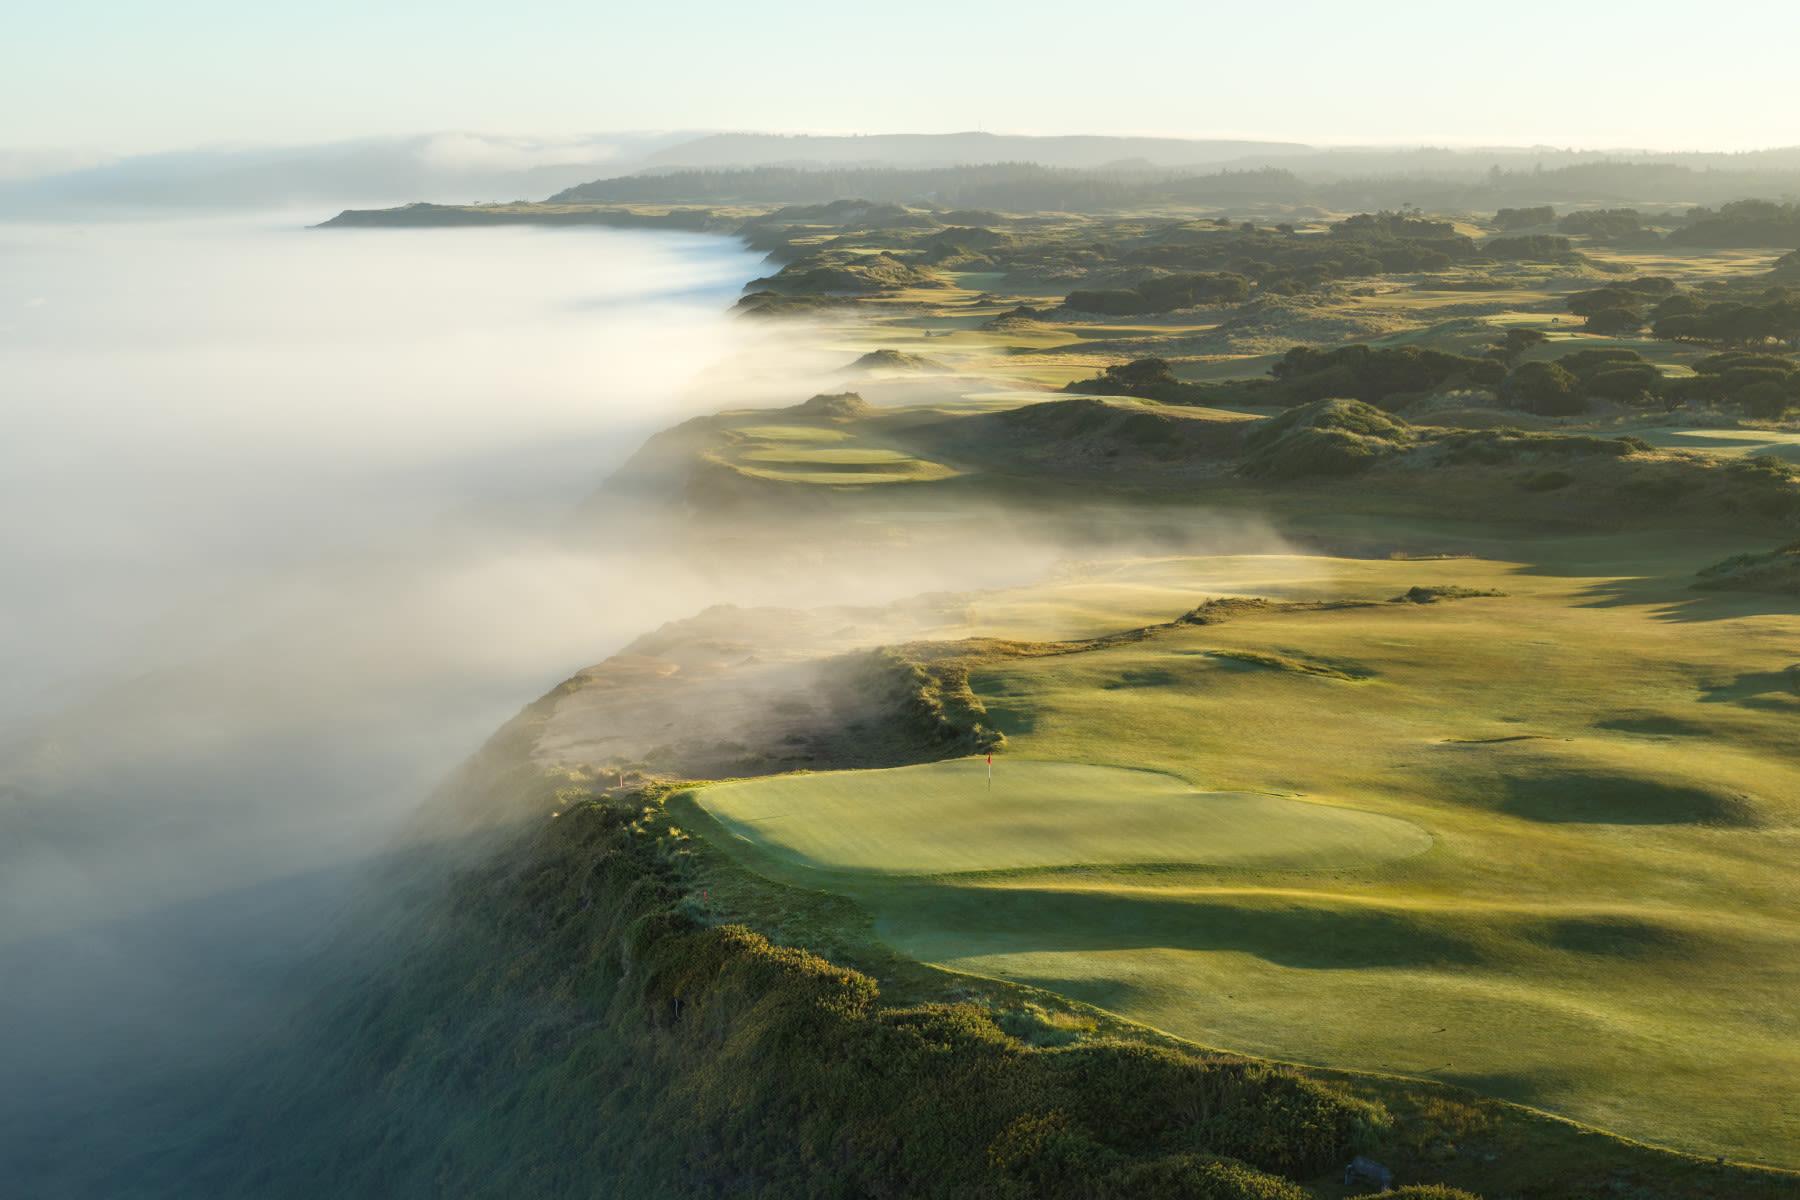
(1523, 218)
(1603, 222)
(1361, 372)
(1612, 321)
(1543, 387)
(1586, 304)
(1767, 400)
(1626, 384)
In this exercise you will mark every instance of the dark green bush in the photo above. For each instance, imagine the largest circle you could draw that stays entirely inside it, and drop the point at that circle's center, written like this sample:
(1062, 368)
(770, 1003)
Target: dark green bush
(1546, 388)
(1615, 321)
(1375, 376)
(1602, 222)
(1523, 218)
(1586, 304)
(1626, 384)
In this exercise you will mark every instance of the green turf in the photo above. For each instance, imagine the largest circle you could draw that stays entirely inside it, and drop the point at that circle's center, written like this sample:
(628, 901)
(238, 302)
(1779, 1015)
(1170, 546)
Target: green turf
(1602, 926)
(946, 817)
(1745, 443)
(792, 433)
(827, 455)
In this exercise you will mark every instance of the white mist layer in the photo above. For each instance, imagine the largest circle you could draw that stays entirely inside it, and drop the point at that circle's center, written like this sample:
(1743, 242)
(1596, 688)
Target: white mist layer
(188, 407)
(281, 541)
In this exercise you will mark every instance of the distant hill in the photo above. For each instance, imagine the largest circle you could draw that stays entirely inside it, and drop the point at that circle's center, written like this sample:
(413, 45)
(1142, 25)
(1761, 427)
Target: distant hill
(739, 151)
(452, 167)
(956, 149)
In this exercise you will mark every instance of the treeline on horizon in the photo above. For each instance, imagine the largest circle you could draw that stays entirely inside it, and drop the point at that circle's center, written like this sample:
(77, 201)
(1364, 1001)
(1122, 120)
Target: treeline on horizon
(1028, 187)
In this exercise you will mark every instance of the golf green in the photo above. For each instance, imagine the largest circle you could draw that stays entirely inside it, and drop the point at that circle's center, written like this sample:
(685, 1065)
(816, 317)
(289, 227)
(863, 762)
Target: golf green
(942, 818)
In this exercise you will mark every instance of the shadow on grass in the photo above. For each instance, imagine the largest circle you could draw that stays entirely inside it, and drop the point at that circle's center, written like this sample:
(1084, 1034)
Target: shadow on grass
(1655, 725)
(1023, 920)
(1664, 596)
(1755, 684)
(1595, 798)
(1147, 678)
(1535, 1088)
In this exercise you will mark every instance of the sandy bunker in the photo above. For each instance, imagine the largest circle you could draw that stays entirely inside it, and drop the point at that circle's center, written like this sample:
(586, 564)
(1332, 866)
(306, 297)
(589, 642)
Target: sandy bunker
(943, 817)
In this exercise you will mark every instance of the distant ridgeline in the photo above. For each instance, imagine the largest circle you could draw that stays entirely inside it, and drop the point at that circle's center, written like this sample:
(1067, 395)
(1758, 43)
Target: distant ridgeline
(414, 215)
(1027, 187)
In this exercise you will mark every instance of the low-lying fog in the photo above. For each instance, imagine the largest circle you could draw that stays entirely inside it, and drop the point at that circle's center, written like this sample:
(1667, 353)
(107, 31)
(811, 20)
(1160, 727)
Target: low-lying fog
(280, 535)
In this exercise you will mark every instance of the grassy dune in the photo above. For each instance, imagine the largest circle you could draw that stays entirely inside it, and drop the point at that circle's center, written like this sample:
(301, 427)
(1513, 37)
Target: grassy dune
(1602, 759)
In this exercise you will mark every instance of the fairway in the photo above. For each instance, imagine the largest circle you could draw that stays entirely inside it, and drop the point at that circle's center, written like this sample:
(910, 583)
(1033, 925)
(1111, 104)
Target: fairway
(1602, 926)
(943, 818)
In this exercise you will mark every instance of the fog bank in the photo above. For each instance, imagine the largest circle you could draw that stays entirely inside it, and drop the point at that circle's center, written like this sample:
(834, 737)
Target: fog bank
(282, 536)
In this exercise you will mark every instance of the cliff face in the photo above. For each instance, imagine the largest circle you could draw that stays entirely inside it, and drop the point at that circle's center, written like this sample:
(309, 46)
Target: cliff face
(550, 1015)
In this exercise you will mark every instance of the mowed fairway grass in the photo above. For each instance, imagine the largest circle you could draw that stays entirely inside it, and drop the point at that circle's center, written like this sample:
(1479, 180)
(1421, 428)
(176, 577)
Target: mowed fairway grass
(1605, 923)
(948, 817)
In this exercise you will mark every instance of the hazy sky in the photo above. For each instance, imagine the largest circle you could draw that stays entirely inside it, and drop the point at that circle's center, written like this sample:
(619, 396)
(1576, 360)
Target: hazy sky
(126, 76)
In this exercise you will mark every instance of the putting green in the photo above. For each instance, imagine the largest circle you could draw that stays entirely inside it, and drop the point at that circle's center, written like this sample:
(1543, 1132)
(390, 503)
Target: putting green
(792, 433)
(942, 818)
(827, 455)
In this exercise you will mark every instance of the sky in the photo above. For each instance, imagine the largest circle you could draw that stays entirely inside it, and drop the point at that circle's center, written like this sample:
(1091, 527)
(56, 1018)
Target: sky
(119, 77)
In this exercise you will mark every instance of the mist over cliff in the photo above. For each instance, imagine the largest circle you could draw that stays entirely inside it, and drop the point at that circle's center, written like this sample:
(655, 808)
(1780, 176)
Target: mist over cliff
(284, 525)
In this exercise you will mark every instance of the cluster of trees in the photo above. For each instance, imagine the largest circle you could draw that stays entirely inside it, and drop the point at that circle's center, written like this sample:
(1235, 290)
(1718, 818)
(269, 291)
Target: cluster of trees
(1208, 259)
(1390, 378)
(1165, 293)
(1384, 377)
(1764, 385)
(1407, 223)
(1618, 308)
(1563, 387)
(1524, 218)
(1625, 308)
(1742, 223)
(1774, 316)
(1278, 261)
(1602, 222)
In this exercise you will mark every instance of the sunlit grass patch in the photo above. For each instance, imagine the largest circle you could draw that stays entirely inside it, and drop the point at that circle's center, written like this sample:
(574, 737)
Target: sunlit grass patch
(792, 433)
(946, 817)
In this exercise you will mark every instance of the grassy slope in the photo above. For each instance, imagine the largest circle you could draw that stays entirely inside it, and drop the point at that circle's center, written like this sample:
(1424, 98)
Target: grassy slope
(1599, 929)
